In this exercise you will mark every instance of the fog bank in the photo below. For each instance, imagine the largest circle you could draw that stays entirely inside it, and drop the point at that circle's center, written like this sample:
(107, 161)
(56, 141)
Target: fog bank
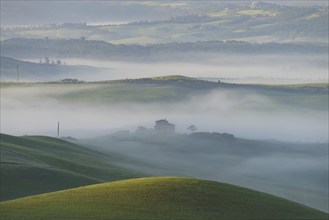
(271, 69)
(37, 109)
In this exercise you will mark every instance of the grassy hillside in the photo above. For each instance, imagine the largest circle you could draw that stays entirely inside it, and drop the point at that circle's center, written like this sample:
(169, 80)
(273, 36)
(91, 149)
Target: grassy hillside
(280, 168)
(157, 198)
(173, 88)
(35, 164)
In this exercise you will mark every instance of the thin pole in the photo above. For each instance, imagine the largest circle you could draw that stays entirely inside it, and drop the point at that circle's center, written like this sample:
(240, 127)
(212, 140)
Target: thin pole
(57, 129)
(17, 73)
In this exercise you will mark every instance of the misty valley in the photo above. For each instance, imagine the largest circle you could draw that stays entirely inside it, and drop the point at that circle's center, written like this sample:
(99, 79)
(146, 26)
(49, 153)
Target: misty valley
(85, 109)
(164, 110)
(275, 167)
(229, 142)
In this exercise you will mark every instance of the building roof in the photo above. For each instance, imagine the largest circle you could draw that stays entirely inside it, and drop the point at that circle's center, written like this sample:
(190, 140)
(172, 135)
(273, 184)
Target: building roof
(164, 122)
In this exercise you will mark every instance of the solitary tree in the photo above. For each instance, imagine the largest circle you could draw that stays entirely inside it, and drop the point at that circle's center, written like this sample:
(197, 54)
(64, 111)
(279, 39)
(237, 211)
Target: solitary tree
(47, 60)
(192, 128)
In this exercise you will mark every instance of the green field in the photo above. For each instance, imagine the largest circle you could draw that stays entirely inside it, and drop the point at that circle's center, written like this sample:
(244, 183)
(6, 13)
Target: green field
(35, 164)
(157, 198)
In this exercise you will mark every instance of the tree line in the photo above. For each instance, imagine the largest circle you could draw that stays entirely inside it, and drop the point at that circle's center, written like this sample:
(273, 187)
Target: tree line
(81, 48)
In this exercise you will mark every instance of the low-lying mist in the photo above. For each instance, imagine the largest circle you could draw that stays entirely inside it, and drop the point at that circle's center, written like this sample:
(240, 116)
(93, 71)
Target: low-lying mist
(37, 109)
(252, 69)
(298, 172)
(283, 69)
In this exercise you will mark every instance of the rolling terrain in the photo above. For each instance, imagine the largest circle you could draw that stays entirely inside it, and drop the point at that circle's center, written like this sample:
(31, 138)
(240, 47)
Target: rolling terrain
(181, 88)
(157, 198)
(295, 171)
(172, 88)
(168, 96)
(164, 110)
(183, 22)
(38, 164)
(193, 51)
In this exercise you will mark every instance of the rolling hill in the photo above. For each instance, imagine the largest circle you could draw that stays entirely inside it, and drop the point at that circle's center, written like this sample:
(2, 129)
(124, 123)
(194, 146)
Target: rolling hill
(170, 89)
(36, 164)
(280, 168)
(176, 156)
(30, 71)
(157, 198)
(178, 22)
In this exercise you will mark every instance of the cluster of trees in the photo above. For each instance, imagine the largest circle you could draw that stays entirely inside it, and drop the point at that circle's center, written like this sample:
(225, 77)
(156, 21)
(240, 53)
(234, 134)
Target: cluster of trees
(191, 18)
(45, 26)
(213, 136)
(49, 61)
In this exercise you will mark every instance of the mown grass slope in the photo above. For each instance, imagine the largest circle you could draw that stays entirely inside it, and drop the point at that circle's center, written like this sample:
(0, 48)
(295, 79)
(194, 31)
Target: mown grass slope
(37, 164)
(157, 198)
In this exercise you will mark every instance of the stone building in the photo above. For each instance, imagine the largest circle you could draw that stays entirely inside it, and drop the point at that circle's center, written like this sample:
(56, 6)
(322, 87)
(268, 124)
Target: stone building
(163, 127)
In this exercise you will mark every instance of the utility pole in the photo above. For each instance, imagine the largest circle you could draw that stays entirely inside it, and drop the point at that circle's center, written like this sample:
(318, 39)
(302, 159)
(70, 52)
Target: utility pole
(57, 129)
(17, 75)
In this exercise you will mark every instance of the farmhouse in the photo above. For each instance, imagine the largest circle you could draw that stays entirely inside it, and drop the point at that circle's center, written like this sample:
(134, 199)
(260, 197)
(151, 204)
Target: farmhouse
(163, 127)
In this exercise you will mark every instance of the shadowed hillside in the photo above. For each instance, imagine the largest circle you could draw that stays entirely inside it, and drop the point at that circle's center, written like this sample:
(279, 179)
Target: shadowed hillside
(29, 71)
(35, 164)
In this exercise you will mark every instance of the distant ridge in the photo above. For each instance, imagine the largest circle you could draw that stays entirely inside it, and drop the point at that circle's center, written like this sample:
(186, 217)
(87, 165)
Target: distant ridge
(92, 49)
(32, 71)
